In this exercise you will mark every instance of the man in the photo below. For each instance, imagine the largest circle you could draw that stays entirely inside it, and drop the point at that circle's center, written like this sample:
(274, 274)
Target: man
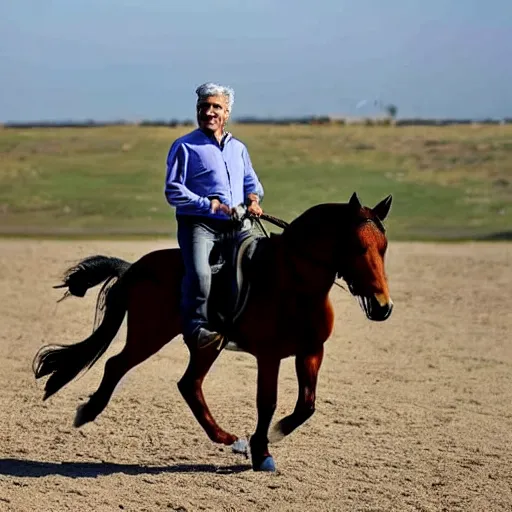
(209, 172)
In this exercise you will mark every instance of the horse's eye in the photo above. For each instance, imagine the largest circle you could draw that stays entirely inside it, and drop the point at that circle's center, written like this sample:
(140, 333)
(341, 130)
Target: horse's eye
(361, 251)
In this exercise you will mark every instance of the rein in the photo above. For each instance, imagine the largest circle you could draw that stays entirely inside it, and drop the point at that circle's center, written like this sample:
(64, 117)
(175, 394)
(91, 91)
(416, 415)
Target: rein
(274, 220)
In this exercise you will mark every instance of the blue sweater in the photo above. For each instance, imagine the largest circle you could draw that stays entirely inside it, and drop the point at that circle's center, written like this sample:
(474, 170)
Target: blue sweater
(198, 167)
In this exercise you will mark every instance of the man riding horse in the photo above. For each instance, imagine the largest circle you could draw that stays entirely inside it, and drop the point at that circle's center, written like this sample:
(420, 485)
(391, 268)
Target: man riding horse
(209, 172)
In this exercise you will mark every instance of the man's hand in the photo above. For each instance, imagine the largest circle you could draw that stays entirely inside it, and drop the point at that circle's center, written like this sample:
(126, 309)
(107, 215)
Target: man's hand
(254, 209)
(216, 205)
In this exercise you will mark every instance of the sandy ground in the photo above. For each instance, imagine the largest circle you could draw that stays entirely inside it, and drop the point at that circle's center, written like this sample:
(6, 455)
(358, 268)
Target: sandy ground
(412, 414)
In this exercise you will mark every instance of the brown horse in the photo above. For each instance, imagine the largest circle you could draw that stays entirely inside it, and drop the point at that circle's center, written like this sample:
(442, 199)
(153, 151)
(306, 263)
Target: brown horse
(288, 313)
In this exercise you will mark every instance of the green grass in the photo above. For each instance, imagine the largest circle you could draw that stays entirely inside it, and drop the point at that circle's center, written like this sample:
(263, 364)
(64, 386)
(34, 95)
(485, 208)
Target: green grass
(447, 182)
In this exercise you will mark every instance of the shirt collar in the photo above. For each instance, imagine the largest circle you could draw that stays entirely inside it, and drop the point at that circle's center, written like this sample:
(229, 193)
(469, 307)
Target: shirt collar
(226, 136)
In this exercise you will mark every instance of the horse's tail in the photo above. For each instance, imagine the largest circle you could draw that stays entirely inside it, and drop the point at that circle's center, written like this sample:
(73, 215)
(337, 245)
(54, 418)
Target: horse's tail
(64, 362)
(90, 272)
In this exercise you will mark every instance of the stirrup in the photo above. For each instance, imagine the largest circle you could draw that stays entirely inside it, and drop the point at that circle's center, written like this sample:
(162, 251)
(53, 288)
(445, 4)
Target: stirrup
(209, 340)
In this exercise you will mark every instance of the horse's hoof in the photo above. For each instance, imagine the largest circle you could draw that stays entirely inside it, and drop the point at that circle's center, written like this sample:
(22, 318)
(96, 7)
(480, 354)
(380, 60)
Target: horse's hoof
(268, 464)
(83, 415)
(240, 446)
(80, 417)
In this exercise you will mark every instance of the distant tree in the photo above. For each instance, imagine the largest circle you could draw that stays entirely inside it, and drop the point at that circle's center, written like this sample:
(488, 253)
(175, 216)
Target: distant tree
(392, 110)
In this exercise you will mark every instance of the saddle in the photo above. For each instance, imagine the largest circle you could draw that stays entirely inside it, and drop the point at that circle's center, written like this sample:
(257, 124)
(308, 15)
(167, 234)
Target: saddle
(232, 270)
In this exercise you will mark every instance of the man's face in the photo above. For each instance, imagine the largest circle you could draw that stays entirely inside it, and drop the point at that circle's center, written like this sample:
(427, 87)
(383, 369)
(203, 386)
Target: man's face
(212, 113)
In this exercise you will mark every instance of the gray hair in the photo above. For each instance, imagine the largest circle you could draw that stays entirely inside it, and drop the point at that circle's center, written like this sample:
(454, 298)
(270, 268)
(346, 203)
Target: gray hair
(212, 89)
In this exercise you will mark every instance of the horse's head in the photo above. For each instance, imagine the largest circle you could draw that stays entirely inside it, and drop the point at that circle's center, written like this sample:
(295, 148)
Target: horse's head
(362, 257)
(347, 240)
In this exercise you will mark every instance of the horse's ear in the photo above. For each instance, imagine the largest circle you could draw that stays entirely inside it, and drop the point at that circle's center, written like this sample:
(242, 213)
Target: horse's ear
(354, 202)
(382, 209)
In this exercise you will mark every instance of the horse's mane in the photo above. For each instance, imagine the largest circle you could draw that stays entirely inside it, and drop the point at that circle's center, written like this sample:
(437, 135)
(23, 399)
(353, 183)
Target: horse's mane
(331, 215)
(319, 218)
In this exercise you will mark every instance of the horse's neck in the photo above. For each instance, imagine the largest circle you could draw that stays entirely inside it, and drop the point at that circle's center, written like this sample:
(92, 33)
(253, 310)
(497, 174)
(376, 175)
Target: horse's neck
(302, 272)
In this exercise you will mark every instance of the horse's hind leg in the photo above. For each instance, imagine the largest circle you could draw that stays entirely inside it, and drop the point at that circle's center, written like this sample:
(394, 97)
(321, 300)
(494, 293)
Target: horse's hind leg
(190, 387)
(148, 331)
(135, 352)
(307, 367)
(115, 368)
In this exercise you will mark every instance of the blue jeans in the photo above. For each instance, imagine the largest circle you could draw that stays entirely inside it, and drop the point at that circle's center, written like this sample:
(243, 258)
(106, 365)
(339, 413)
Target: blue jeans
(197, 237)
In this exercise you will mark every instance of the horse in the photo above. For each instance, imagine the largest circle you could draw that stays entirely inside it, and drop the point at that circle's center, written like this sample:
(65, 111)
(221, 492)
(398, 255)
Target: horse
(288, 312)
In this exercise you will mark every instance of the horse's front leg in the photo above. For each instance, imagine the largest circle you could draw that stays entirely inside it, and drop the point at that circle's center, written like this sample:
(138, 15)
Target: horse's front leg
(268, 373)
(191, 388)
(307, 367)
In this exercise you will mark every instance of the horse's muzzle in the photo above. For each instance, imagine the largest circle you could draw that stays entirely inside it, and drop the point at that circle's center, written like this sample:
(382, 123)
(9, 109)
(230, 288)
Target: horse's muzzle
(374, 310)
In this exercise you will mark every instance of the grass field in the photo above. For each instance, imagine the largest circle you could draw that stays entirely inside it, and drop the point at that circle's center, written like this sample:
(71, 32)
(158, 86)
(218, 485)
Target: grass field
(447, 182)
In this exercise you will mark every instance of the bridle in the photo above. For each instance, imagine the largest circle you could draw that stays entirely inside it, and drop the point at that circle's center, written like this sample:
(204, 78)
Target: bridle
(240, 214)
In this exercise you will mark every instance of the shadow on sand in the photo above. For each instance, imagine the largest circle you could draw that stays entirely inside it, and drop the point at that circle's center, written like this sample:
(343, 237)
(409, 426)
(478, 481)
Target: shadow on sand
(35, 469)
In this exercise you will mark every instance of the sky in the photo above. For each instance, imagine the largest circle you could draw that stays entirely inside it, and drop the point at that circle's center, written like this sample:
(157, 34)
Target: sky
(143, 59)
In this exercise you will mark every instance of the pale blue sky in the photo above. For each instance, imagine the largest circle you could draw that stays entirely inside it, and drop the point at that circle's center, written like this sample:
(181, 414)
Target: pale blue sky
(134, 59)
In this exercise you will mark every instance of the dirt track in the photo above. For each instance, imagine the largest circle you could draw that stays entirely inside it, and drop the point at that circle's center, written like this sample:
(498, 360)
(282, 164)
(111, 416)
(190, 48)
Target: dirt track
(412, 414)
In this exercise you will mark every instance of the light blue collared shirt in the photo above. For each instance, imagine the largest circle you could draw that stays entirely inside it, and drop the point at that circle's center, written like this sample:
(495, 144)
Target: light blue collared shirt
(198, 167)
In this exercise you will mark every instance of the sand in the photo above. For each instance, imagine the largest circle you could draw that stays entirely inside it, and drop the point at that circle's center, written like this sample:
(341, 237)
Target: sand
(412, 414)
